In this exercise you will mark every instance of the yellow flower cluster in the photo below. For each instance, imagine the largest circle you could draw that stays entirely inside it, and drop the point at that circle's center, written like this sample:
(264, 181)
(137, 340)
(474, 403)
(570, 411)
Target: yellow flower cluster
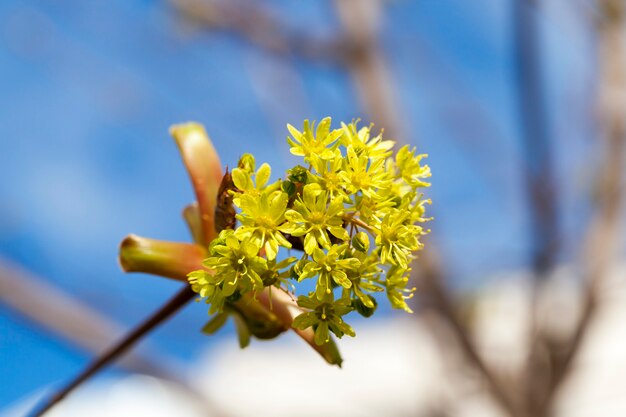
(354, 209)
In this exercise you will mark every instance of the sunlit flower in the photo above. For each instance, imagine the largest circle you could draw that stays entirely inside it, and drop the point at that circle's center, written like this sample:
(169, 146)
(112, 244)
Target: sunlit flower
(243, 180)
(364, 279)
(314, 143)
(325, 316)
(260, 218)
(411, 170)
(236, 265)
(397, 291)
(359, 139)
(313, 216)
(365, 175)
(329, 268)
(328, 175)
(396, 239)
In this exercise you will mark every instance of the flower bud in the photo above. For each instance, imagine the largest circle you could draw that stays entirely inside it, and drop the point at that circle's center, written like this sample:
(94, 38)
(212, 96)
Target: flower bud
(361, 242)
(288, 187)
(362, 309)
(247, 162)
(298, 174)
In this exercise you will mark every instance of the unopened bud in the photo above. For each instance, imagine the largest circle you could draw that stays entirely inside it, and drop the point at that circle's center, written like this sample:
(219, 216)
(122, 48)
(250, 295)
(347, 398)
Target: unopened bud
(298, 174)
(247, 162)
(366, 306)
(361, 242)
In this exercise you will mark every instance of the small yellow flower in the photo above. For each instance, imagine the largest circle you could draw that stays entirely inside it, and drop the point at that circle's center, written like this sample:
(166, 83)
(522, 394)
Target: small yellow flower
(324, 316)
(411, 170)
(397, 291)
(359, 139)
(236, 264)
(313, 216)
(361, 174)
(329, 268)
(327, 173)
(312, 144)
(260, 219)
(242, 178)
(396, 239)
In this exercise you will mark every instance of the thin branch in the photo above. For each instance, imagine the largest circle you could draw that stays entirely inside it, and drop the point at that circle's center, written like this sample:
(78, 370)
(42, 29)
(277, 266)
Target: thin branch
(368, 66)
(355, 48)
(57, 312)
(434, 297)
(255, 24)
(538, 169)
(160, 316)
(378, 95)
(601, 243)
(539, 182)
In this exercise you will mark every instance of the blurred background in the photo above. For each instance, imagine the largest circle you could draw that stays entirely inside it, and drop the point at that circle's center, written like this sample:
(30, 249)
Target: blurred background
(520, 105)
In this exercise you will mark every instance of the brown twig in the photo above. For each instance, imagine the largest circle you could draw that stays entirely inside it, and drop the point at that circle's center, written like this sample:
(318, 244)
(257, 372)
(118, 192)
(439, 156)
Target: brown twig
(539, 184)
(378, 94)
(434, 297)
(60, 313)
(171, 307)
(600, 245)
(367, 65)
(255, 24)
(355, 48)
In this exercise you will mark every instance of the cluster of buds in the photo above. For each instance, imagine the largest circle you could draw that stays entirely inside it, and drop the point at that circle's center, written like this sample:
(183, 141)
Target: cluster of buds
(349, 219)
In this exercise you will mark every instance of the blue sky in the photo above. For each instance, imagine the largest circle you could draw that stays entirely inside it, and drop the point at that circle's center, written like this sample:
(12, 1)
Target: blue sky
(88, 90)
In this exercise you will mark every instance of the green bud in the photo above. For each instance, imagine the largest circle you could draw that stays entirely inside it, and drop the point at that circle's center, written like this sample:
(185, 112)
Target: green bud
(296, 269)
(361, 242)
(220, 240)
(362, 309)
(247, 162)
(289, 187)
(234, 297)
(298, 174)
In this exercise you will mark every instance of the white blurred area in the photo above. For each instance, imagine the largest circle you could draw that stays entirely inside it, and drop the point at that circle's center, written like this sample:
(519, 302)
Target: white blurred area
(395, 367)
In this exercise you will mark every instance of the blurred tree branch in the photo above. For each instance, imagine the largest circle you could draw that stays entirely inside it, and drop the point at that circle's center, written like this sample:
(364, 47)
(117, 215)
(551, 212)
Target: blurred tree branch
(435, 299)
(355, 46)
(600, 245)
(61, 314)
(118, 349)
(541, 195)
(255, 24)
(360, 23)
